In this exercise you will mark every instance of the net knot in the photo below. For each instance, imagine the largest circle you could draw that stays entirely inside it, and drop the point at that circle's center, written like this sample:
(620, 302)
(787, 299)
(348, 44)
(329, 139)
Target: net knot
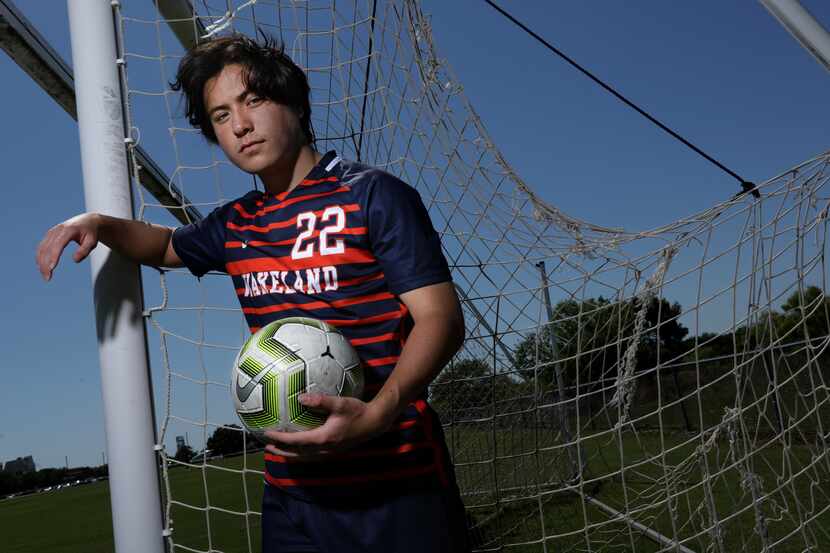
(747, 186)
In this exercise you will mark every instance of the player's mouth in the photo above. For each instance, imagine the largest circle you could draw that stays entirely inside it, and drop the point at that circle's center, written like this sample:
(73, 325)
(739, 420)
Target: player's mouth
(248, 145)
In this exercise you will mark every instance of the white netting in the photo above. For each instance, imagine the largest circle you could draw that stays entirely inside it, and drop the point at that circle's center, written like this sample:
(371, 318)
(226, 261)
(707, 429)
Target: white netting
(664, 390)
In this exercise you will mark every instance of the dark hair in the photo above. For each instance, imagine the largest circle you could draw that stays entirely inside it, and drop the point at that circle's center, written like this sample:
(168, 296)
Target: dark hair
(267, 72)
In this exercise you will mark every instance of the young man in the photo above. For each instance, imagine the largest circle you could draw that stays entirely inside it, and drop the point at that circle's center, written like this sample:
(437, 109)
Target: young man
(333, 240)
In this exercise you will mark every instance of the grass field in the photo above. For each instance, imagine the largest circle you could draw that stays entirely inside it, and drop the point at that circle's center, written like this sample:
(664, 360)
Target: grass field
(69, 520)
(78, 518)
(672, 502)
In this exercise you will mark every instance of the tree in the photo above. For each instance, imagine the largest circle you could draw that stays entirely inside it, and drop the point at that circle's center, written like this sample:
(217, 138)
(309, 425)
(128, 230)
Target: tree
(805, 314)
(586, 335)
(591, 337)
(226, 440)
(665, 334)
(467, 385)
(184, 453)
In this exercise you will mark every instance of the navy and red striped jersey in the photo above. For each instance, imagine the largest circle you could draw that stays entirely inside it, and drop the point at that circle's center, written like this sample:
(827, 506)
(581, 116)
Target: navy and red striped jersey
(341, 247)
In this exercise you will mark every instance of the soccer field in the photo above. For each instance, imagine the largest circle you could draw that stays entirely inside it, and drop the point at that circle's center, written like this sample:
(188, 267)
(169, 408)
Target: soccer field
(63, 521)
(79, 517)
(641, 489)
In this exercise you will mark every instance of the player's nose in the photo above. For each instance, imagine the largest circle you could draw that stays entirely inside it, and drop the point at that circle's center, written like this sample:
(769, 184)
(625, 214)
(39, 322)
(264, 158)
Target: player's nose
(242, 124)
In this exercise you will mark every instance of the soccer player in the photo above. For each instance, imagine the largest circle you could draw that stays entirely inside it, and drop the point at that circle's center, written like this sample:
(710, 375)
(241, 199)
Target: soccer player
(337, 241)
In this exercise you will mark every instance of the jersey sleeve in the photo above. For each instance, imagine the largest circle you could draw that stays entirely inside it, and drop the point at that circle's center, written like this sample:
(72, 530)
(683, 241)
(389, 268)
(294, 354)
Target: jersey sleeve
(201, 245)
(402, 237)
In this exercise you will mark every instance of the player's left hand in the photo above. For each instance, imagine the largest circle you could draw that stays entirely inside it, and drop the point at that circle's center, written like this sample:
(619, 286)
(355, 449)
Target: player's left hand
(350, 422)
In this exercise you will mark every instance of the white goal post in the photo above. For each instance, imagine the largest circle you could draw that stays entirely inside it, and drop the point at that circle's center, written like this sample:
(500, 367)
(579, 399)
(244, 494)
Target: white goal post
(119, 303)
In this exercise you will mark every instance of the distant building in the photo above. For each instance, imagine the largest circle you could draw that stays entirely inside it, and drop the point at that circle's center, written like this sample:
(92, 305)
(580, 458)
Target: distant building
(21, 465)
(180, 442)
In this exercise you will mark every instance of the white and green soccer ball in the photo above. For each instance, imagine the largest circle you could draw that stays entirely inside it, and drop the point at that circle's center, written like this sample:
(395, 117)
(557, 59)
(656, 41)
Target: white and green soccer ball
(286, 358)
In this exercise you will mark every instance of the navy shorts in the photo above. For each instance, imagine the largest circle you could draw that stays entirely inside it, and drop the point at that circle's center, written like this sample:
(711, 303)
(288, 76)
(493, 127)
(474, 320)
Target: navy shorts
(431, 520)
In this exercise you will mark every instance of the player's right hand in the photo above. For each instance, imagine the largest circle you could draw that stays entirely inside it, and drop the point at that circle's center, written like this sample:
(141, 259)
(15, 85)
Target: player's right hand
(82, 229)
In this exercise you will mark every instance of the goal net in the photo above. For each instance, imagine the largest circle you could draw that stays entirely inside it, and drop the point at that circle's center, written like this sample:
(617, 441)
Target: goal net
(660, 390)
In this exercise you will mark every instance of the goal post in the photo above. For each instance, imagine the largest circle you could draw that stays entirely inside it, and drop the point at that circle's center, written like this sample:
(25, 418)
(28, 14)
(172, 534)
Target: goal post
(801, 24)
(128, 406)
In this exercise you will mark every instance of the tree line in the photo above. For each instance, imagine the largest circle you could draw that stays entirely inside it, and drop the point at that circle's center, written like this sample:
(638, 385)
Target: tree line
(14, 483)
(593, 339)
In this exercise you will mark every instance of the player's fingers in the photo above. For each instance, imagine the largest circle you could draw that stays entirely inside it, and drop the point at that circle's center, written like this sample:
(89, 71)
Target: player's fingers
(274, 450)
(56, 247)
(302, 449)
(296, 451)
(291, 439)
(330, 404)
(40, 255)
(40, 261)
(50, 249)
(88, 243)
(279, 439)
(307, 441)
(319, 401)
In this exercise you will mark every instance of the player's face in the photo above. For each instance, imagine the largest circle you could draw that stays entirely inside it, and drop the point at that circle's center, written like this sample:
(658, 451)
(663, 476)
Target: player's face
(258, 135)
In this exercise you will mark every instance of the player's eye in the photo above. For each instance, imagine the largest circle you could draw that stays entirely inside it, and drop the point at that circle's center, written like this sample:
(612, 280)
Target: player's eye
(254, 100)
(220, 116)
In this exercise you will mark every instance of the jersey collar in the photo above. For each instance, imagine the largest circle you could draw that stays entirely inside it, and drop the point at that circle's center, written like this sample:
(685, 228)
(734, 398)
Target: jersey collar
(328, 166)
(325, 167)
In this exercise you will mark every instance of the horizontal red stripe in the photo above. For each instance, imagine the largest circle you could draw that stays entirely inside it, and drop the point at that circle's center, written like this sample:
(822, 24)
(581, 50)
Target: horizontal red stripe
(389, 336)
(286, 263)
(307, 182)
(344, 480)
(380, 361)
(254, 243)
(380, 296)
(310, 306)
(284, 307)
(241, 210)
(408, 424)
(359, 280)
(292, 222)
(405, 448)
(367, 320)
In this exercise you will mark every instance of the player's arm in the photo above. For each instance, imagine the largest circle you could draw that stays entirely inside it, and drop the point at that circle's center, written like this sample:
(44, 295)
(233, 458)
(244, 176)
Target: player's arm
(142, 242)
(436, 336)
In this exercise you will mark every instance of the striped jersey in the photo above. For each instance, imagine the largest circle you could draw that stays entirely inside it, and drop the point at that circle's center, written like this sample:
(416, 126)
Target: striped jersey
(341, 247)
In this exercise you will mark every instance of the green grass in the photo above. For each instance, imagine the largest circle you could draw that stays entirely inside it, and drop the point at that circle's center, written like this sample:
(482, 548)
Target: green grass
(79, 518)
(520, 520)
(211, 511)
(62, 521)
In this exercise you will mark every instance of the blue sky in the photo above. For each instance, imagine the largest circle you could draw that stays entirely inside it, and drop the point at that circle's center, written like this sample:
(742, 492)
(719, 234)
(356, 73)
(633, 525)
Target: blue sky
(724, 74)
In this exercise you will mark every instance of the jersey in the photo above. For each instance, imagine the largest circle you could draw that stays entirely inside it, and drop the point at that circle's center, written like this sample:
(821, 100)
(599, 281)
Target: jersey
(342, 246)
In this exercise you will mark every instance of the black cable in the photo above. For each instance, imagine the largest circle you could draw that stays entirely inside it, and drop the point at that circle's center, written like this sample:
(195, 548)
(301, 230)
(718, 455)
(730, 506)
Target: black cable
(746, 186)
(366, 81)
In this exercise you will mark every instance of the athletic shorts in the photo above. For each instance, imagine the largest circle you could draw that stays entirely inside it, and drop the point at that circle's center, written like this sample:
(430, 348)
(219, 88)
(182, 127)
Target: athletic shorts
(431, 521)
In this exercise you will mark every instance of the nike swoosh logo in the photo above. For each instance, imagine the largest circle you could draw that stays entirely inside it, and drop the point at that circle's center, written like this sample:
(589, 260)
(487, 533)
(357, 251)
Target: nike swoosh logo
(244, 392)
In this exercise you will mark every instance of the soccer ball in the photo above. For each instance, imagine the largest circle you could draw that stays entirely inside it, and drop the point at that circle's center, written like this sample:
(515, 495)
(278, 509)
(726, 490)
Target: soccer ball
(286, 358)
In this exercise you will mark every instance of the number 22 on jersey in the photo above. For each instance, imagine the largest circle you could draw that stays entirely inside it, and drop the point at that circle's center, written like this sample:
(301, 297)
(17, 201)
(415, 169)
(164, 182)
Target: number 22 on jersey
(334, 220)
